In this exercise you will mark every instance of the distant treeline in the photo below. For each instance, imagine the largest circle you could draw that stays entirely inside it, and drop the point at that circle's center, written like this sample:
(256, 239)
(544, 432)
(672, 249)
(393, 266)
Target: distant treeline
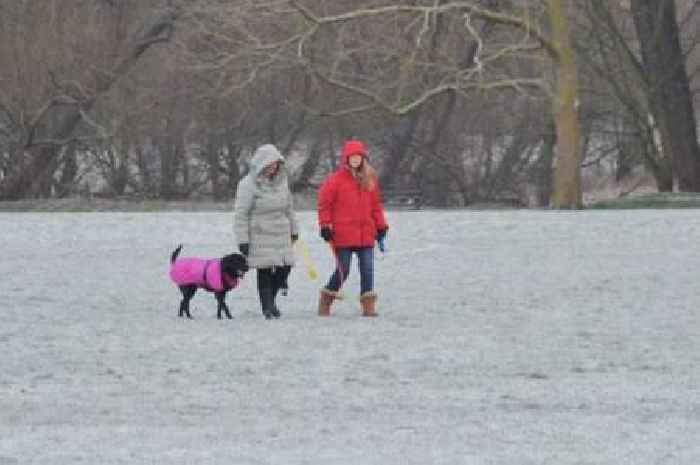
(463, 102)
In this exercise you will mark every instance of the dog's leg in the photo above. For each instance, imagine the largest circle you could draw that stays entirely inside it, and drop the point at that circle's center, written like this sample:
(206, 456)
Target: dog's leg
(187, 294)
(221, 299)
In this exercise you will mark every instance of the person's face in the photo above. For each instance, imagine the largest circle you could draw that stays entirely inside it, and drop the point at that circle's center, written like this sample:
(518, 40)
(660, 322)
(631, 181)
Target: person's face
(271, 169)
(355, 161)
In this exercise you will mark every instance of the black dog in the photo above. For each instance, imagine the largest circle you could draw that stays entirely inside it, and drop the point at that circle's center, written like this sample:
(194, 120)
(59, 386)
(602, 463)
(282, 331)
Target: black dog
(217, 275)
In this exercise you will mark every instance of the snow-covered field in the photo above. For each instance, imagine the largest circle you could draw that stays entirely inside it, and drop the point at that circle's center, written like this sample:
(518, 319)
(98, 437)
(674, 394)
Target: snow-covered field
(514, 337)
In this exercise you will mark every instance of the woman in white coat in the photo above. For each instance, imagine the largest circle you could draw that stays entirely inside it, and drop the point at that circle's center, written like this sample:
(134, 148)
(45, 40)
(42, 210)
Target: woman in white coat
(265, 224)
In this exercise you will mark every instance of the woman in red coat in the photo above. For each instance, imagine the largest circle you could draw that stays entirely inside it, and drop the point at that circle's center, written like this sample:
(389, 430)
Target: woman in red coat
(351, 218)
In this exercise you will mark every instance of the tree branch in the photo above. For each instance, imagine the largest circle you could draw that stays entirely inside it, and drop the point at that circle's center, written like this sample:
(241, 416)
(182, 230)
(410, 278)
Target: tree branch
(470, 8)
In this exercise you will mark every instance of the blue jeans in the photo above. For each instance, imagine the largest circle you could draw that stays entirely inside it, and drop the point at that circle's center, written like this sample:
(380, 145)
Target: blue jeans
(365, 256)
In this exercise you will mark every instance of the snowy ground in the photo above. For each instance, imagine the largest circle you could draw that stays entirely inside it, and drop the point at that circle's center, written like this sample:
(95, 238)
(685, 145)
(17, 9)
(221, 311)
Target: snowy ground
(515, 337)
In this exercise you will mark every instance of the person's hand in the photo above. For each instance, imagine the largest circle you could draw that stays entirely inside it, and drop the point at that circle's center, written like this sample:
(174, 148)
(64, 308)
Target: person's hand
(244, 248)
(327, 233)
(295, 237)
(381, 234)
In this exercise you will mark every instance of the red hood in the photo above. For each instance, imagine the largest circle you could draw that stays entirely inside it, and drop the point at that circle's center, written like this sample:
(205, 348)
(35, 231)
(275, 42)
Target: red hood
(352, 147)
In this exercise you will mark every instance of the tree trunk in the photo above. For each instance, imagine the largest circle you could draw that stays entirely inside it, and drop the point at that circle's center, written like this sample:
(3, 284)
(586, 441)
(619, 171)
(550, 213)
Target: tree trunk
(69, 172)
(399, 147)
(214, 166)
(654, 158)
(567, 172)
(146, 186)
(170, 159)
(671, 100)
(543, 166)
(37, 160)
(120, 176)
(234, 171)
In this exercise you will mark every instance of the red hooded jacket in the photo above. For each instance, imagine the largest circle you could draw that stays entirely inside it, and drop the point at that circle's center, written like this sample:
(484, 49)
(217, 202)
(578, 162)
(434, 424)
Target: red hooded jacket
(353, 213)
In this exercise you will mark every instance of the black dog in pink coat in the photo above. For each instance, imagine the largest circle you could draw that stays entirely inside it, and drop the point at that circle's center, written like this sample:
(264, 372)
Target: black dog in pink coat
(217, 275)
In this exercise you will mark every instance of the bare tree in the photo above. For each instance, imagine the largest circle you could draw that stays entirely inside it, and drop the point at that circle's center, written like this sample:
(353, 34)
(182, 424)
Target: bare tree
(567, 174)
(52, 95)
(670, 98)
(618, 88)
(466, 100)
(393, 89)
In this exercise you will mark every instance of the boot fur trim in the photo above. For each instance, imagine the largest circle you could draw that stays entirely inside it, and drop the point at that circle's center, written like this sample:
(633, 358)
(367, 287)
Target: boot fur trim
(334, 294)
(325, 300)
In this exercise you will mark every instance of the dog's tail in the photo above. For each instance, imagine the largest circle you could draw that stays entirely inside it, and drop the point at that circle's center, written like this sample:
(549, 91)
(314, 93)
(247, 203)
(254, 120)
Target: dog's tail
(176, 252)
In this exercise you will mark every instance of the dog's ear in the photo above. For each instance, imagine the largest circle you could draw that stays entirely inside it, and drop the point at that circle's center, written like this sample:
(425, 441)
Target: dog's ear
(234, 264)
(240, 260)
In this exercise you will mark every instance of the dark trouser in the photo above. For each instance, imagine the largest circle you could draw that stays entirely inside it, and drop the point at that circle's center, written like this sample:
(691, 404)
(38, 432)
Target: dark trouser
(365, 256)
(274, 277)
(270, 281)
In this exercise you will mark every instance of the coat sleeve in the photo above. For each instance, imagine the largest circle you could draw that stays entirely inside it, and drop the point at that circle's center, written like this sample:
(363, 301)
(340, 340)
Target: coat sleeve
(378, 209)
(326, 199)
(242, 207)
(291, 214)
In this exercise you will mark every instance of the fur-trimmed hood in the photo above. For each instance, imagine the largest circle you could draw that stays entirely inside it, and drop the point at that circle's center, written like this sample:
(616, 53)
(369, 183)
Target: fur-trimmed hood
(265, 155)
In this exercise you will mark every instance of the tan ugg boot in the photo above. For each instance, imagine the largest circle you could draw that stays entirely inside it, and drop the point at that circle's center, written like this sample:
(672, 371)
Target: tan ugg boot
(368, 301)
(325, 300)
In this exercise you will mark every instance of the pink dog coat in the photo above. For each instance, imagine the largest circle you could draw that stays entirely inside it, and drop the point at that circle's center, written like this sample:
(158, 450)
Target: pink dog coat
(205, 273)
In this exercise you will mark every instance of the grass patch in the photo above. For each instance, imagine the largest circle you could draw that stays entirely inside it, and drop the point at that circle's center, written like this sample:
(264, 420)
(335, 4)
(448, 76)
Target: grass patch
(659, 200)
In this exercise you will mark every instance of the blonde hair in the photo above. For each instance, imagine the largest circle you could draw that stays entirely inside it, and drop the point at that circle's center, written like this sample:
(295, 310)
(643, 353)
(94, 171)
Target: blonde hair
(366, 175)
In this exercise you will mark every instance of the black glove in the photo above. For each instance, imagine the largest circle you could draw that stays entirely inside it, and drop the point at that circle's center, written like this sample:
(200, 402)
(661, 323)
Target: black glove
(295, 237)
(327, 233)
(381, 234)
(244, 248)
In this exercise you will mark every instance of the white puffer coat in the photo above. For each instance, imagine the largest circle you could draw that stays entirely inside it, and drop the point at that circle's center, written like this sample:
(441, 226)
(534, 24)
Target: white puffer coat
(264, 212)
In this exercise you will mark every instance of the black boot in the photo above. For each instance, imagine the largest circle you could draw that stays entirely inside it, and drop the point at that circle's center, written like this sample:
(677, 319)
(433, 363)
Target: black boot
(279, 283)
(267, 302)
(275, 310)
